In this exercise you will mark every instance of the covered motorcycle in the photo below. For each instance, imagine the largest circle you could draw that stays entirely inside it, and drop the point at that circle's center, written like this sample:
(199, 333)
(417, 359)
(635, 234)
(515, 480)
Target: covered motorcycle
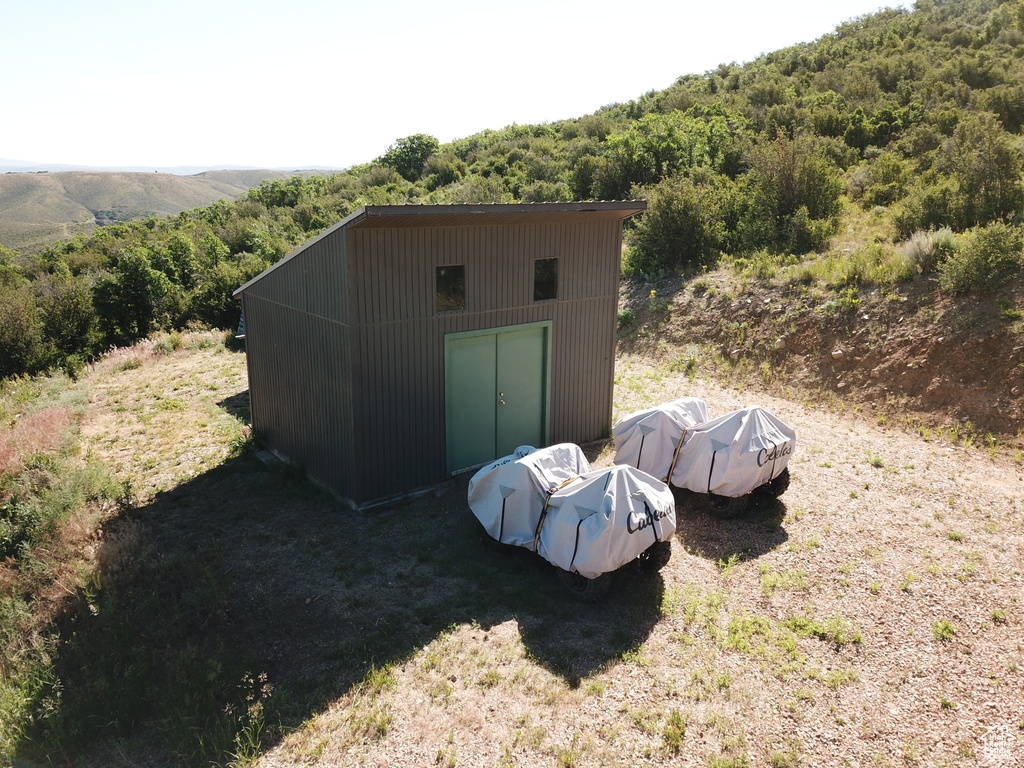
(604, 519)
(508, 495)
(728, 458)
(735, 453)
(586, 522)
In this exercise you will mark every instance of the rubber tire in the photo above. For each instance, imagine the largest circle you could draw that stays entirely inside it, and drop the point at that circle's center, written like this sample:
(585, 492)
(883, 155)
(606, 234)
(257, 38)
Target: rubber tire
(655, 557)
(584, 589)
(778, 485)
(726, 507)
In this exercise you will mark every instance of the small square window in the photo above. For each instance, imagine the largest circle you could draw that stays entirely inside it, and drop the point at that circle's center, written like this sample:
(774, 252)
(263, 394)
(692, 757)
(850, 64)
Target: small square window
(545, 279)
(451, 288)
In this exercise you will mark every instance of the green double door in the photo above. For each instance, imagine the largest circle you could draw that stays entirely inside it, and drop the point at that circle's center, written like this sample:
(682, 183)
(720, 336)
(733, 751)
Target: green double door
(496, 392)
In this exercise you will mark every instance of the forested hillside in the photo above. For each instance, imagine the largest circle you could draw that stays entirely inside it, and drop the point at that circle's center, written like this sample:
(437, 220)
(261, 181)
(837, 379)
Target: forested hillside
(912, 116)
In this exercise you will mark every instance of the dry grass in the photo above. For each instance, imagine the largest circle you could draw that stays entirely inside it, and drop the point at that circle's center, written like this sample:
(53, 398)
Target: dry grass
(837, 663)
(160, 419)
(800, 635)
(40, 432)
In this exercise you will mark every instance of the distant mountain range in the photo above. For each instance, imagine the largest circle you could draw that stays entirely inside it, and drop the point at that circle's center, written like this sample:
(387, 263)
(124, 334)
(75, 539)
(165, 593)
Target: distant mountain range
(25, 166)
(39, 207)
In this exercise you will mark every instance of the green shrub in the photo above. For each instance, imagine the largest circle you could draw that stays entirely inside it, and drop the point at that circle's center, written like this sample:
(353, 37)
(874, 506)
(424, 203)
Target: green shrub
(886, 180)
(986, 257)
(20, 332)
(442, 170)
(794, 197)
(67, 312)
(944, 243)
(168, 344)
(928, 205)
(675, 730)
(544, 192)
(686, 224)
(408, 156)
(1008, 313)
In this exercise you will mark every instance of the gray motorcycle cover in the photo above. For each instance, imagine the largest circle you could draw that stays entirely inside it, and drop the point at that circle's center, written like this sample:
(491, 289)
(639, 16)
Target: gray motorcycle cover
(735, 453)
(549, 500)
(605, 519)
(507, 496)
(649, 439)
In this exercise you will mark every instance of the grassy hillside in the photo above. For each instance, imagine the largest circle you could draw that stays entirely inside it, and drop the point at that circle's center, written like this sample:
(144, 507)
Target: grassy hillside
(38, 209)
(837, 329)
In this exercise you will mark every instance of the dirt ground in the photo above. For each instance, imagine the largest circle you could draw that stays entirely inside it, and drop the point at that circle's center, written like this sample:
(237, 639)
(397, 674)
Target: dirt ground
(866, 534)
(872, 617)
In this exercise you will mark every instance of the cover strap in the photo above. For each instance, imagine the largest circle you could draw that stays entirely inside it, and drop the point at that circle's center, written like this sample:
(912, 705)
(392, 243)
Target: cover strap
(675, 457)
(544, 512)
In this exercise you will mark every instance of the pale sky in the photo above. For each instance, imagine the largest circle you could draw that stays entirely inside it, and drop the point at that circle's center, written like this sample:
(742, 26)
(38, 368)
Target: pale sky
(318, 83)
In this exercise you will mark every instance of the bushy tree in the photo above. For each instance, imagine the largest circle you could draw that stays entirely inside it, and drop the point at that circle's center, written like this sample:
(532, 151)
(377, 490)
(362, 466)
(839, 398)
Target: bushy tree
(795, 196)
(9, 275)
(688, 222)
(212, 251)
(883, 181)
(181, 255)
(658, 146)
(129, 301)
(986, 257)
(67, 313)
(442, 170)
(408, 156)
(20, 331)
(474, 189)
(214, 304)
(987, 167)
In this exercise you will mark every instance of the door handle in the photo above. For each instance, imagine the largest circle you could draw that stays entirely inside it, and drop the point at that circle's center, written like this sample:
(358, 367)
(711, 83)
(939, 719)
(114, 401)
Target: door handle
(501, 402)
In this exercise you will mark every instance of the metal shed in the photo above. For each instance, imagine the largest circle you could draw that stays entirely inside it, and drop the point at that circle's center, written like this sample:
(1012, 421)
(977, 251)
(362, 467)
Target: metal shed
(409, 342)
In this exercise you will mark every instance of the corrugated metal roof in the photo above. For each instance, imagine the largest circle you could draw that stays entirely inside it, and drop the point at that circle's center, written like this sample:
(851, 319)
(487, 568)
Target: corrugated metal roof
(469, 214)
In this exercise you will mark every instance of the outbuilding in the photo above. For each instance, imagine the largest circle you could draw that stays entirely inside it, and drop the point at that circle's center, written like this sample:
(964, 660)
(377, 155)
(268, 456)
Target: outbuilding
(410, 342)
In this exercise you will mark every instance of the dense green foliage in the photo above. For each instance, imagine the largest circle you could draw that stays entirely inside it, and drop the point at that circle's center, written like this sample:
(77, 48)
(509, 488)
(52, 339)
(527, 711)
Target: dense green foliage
(914, 114)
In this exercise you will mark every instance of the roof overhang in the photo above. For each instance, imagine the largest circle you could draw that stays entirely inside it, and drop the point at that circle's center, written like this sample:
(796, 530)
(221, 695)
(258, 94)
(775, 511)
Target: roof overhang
(378, 216)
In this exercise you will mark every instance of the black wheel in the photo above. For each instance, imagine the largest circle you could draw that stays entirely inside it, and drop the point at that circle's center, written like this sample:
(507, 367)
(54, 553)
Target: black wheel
(655, 557)
(725, 506)
(779, 484)
(582, 588)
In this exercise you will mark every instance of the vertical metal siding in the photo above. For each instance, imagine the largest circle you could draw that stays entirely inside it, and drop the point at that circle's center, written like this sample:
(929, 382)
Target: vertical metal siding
(398, 338)
(315, 283)
(299, 359)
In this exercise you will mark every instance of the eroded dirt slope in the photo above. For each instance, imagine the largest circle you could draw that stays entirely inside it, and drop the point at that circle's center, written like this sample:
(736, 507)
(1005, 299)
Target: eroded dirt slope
(905, 351)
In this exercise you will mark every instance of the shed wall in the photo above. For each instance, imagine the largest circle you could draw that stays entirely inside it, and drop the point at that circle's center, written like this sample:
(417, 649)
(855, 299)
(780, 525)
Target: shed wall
(300, 389)
(315, 283)
(299, 357)
(398, 337)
